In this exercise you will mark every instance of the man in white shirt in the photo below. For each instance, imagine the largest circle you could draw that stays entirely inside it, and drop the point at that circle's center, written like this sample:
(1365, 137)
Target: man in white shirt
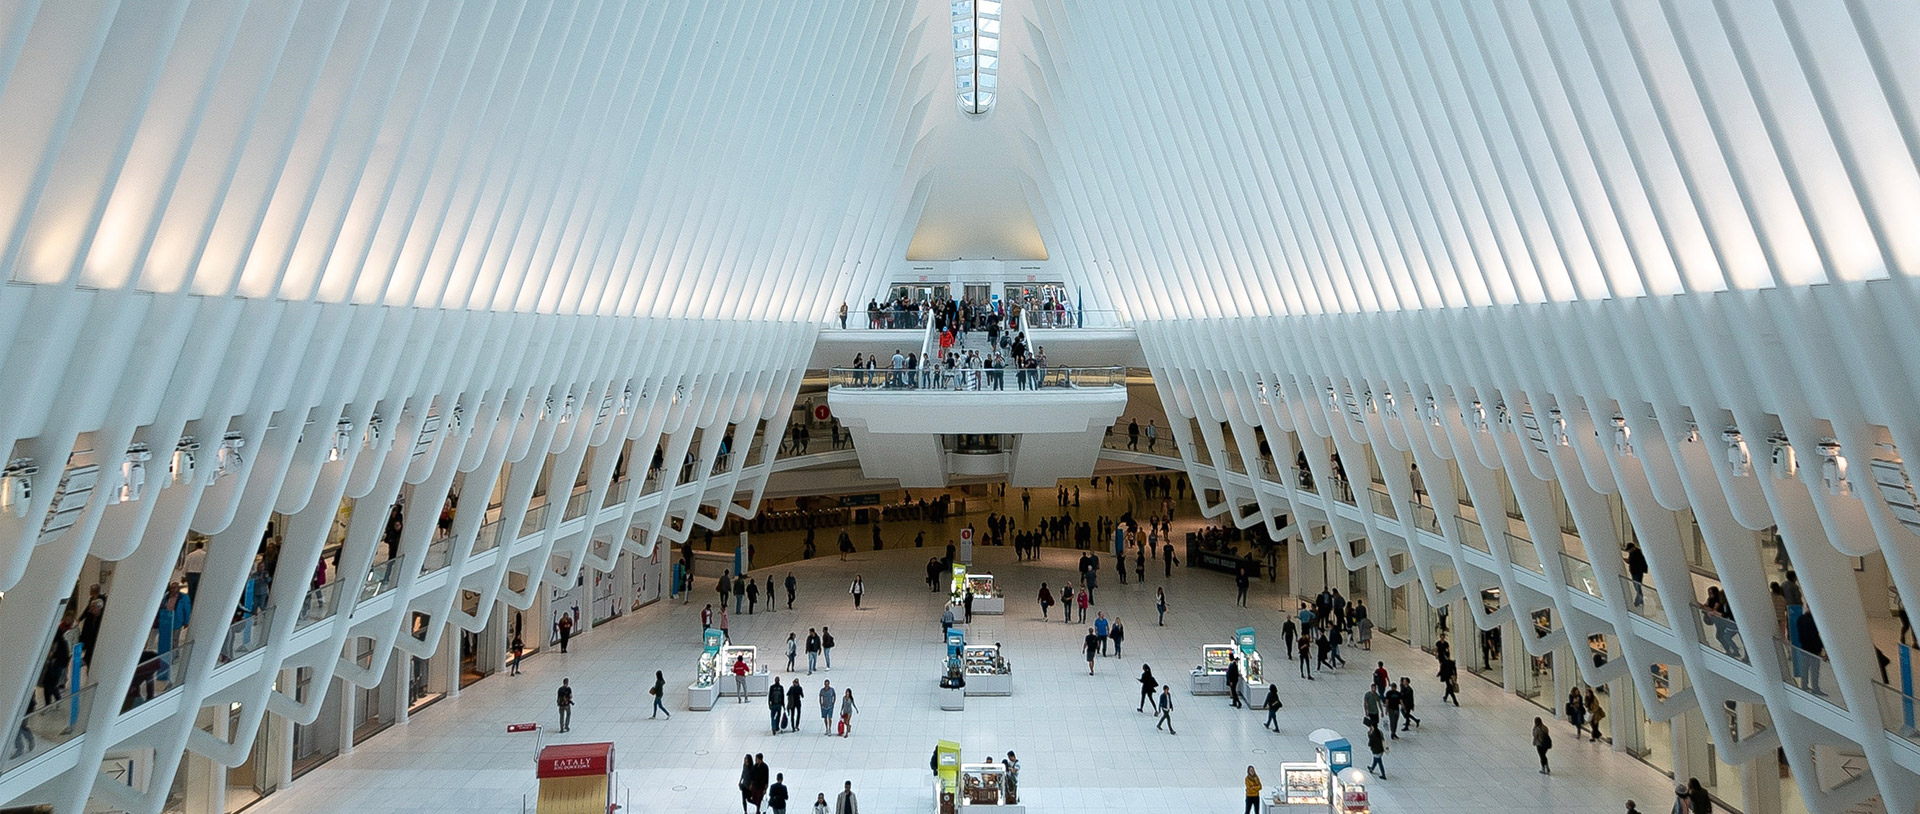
(195, 565)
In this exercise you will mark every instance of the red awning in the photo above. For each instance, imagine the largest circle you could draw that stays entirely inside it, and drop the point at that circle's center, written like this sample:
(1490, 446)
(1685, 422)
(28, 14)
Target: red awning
(576, 759)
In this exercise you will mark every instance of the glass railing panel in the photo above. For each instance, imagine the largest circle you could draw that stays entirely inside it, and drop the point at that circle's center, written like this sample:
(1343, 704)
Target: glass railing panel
(576, 505)
(535, 521)
(1523, 553)
(1579, 574)
(1303, 480)
(1643, 600)
(1341, 490)
(247, 634)
(47, 727)
(439, 555)
(653, 483)
(1269, 471)
(617, 493)
(157, 674)
(1425, 518)
(381, 579)
(1808, 671)
(319, 603)
(1382, 503)
(1471, 535)
(886, 320)
(489, 537)
(1721, 633)
(1898, 712)
(976, 379)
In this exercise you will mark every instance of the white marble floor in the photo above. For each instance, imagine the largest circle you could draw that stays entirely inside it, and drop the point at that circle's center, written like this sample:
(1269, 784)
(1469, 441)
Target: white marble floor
(1081, 747)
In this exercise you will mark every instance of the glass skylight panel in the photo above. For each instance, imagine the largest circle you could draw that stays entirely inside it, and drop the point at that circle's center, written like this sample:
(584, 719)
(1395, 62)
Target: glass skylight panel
(976, 49)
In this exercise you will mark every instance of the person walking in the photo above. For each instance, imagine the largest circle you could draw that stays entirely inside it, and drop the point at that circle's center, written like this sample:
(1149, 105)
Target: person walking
(777, 793)
(1160, 604)
(858, 590)
(1011, 765)
(746, 783)
(1392, 699)
(758, 788)
(1046, 601)
(753, 595)
(827, 700)
(820, 804)
(1542, 743)
(1306, 658)
(826, 646)
(796, 695)
(847, 803)
(1240, 583)
(813, 650)
(793, 584)
(1406, 705)
(1118, 633)
(847, 709)
(1253, 793)
(1698, 800)
(1370, 706)
(1147, 685)
(519, 647)
(566, 630)
(1377, 744)
(1233, 681)
(1272, 705)
(564, 697)
(1102, 628)
(739, 591)
(966, 602)
(1594, 714)
(1092, 646)
(776, 705)
(659, 693)
(946, 622)
(726, 587)
(1082, 600)
(1066, 603)
(706, 618)
(726, 633)
(1166, 709)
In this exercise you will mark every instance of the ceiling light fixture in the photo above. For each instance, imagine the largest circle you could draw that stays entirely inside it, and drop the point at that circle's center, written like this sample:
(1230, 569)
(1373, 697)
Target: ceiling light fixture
(16, 486)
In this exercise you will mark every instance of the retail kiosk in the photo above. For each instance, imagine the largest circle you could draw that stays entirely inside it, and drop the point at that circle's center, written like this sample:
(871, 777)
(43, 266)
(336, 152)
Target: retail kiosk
(953, 672)
(959, 786)
(987, 670)
(758, 677)
(704, 692)
(1210, 678)
(575, 778)
(1328, 784)
(987, 599)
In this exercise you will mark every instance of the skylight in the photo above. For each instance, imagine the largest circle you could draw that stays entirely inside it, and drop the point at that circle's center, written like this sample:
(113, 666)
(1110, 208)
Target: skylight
(976, 52)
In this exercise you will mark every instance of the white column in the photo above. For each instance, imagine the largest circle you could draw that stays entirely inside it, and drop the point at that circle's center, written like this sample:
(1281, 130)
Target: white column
(206, 791)
(349, 713)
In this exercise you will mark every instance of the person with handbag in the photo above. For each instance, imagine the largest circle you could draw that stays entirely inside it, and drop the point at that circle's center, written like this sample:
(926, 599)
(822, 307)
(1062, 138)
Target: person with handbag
(1377, 744)
(1272, 705)
(659, 693)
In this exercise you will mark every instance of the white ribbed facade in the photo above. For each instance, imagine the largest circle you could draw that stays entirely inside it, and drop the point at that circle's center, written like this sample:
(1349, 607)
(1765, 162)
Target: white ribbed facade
(518, 236)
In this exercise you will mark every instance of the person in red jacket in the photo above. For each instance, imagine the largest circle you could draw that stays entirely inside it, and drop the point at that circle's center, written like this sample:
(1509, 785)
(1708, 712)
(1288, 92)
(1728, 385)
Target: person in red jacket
(739, 671)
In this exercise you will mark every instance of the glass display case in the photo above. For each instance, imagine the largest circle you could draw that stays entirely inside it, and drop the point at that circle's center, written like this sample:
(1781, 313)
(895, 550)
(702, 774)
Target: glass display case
(982, 585)
(1214, 658)
(983, 784)
(1305, 784)
(1250, 665)
(988, 671)
(745, 651)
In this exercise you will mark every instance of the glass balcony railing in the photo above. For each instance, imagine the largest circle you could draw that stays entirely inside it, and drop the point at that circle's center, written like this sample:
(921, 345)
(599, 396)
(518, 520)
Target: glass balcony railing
(654, 483)
(1269, 471)
(1524, 554)
(1720, 632)
(976, 380)
(1579, 574)
(617, 493)
(1897, 712)
(1471, 535)
(439, 555)
(48, 727)
(1643, 600)
(488, 538)
(1808, 671)
(886, 320)
(535, 520)
(157, 674)
(319, 604)
(1041, 319)
(381, 579)
(576, 505)
(247, 634)
(1424, 517)
(1341, 490)
(1382, 503)
(1303, 480)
